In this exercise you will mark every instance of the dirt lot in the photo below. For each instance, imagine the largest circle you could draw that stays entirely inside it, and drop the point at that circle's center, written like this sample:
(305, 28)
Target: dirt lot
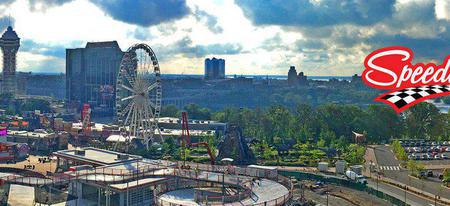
(33, 160)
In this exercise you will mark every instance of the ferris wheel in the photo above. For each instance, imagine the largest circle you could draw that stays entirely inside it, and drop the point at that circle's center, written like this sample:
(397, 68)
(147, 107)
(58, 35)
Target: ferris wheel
(138, 94)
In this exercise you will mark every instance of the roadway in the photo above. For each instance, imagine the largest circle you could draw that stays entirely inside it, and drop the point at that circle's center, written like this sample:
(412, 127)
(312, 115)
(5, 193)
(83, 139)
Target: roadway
(386, 160)
(411, 199)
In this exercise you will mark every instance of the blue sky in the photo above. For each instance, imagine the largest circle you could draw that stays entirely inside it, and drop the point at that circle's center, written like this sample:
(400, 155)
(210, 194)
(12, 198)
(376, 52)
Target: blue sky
(319, 37)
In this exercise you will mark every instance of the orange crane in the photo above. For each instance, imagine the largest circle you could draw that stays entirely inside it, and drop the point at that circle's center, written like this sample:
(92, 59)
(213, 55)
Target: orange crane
(186, 139)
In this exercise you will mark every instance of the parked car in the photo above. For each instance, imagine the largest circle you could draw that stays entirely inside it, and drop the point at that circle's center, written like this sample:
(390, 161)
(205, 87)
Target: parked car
(408, 150)
(417, 149)
(437, 157)
(422, 174)
(434, 149)
(417, 156)
(444, 156)
(429, 173)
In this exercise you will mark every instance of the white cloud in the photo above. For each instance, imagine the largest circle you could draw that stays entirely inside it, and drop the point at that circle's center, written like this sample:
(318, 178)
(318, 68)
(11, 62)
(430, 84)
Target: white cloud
(442, 8)
(330, 50)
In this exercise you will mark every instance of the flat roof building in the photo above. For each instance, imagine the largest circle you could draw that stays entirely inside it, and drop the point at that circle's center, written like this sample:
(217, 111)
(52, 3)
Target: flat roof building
(214, 68)
(39, 140)
(95, 156)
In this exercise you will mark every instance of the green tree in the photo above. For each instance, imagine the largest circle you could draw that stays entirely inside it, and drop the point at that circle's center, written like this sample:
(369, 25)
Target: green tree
(399, 151)
(327, 136)
(170, 111)
(354, 154)
(280, 118)
(446, 176)
(36, 104)
(415, 167)
(383, 123)
(424, 120)
(196, 112)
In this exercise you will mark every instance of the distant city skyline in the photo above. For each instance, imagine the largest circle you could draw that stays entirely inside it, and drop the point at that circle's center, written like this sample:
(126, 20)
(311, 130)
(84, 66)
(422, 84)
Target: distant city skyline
(319, 37)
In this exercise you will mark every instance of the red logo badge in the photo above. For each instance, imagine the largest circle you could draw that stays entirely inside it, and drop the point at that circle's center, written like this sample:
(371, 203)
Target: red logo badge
(391, 69)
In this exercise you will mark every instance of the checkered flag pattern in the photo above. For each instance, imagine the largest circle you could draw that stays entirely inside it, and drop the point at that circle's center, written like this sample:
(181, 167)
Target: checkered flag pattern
(404, 98)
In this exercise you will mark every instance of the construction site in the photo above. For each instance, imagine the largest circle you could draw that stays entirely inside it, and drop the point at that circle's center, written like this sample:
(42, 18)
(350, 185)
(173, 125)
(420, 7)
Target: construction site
(91, 176)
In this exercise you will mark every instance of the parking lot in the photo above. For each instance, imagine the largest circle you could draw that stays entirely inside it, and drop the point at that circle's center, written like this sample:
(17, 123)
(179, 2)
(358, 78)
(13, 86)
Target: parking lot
(427, 151)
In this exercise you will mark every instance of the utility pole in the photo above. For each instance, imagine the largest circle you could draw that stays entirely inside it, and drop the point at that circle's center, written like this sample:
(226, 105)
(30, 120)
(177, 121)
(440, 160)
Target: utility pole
(405, 194)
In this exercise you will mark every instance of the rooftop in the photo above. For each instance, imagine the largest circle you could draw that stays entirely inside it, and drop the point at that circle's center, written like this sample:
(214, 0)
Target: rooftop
(36, 134)
(191, 121)
(104, 44)
(96, 156)
(10, 34)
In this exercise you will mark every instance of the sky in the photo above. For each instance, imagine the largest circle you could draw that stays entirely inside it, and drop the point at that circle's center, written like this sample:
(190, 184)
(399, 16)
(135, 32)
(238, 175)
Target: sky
(319, 37)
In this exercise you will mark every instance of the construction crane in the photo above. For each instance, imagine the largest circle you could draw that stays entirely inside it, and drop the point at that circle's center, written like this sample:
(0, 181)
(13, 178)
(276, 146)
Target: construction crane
(186, 140)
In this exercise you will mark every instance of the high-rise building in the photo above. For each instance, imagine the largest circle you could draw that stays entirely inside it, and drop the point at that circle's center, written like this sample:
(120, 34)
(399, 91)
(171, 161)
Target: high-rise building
(91, 76)
(296, 80)
(9, 43)
(214, 68)
(292, 76)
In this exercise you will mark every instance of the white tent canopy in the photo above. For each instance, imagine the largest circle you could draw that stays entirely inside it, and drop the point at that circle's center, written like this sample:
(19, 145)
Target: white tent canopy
(118, 138)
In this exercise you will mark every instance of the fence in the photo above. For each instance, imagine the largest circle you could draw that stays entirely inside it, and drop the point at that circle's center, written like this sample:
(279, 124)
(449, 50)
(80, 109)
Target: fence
(218, 174)
(343, 182)
(249, 172)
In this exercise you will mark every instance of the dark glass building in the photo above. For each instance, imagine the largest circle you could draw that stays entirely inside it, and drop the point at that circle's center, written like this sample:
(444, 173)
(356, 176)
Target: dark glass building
(214, 68)
(91, 76)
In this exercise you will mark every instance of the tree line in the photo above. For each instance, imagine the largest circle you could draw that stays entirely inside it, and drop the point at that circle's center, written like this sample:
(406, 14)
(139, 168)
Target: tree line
(330, 124)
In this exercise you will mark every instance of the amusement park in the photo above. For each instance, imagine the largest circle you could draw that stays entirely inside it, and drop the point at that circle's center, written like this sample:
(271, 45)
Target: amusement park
(243, 102)
(145, 159)
(93, 176)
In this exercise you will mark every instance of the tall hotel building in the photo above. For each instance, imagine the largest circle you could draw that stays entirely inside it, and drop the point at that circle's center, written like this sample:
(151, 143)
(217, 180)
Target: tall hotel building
(214, 68)
(9, 43)
(91, 76)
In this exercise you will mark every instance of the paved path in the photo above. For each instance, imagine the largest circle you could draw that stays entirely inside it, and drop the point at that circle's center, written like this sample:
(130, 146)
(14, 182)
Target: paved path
(21, 195)
(411, 199)
(391, 168)
(385, 157)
